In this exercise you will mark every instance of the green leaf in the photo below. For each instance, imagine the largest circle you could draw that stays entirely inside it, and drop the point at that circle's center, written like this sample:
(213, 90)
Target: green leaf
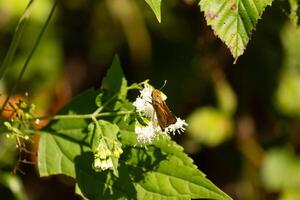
(102, 185)
(167, 146)
(166, 173)
(62, 141)
(99, 99)
(155, 5)
(110, 131)
(233, 20)
(114, 81)
(172, 180)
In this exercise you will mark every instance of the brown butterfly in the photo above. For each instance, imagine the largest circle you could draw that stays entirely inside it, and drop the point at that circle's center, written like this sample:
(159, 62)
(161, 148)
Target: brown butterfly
(164, 115)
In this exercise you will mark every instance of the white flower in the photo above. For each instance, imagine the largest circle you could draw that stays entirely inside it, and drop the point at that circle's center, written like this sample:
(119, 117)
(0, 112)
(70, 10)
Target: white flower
(146, 93)
(144, 107)
(100, 164)
(145, 134)
(143, 103)
(179, 126)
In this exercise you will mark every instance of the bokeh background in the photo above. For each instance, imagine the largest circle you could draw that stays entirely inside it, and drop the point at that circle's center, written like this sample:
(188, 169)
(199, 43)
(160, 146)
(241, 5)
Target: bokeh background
(244, 129)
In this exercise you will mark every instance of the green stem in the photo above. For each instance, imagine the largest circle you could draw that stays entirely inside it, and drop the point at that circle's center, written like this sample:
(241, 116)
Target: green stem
(84, 116)
(105, 104)
(16, 40)
(31, 53)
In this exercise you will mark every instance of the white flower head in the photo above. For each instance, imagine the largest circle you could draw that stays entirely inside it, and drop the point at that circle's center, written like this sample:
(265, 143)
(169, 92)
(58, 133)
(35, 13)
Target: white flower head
(143, 103)
(101, 165)
(146, 134)
(178, 126)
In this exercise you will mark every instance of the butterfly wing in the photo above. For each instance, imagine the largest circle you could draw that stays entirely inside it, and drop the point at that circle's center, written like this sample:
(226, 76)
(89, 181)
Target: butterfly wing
(164, 115)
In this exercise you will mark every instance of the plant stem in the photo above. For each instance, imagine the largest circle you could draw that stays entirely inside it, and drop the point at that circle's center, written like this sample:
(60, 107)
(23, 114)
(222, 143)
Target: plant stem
(31, 53)
(16, 39)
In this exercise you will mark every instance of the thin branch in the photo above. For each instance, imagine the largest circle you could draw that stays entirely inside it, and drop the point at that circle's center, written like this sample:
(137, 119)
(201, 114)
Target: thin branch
(31, 54)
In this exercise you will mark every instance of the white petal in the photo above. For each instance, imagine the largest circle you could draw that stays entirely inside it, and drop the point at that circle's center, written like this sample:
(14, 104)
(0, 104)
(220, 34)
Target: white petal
(144, 107)
(179, 126)
(145, 134)
(146, 94)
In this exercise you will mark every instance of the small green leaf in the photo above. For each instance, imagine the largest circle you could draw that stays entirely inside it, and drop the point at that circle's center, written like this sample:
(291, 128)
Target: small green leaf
(155, 5)
(99, 99)
(114, 81)
(95, 132)
(233, 20)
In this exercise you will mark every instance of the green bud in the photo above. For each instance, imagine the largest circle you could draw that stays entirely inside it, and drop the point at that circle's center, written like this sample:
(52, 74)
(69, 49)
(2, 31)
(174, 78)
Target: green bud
(8, 126)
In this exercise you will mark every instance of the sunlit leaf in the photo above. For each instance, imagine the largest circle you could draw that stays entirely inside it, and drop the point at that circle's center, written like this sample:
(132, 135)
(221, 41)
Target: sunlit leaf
(233, 20)
(155, 5)
(114, 81)
(170, 177)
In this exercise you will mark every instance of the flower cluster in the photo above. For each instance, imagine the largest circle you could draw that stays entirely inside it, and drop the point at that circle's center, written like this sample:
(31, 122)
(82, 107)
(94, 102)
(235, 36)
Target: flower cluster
(18, 113)
(151, 129)
(103, 155)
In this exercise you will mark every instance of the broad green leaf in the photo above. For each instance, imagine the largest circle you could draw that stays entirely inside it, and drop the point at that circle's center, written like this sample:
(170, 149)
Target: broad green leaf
(126, 125)
(114, 81)
(157, 175)
(233, 20)
(167, 146)
(62, 141)
(102, 185)
(155, 5)
(172, 180)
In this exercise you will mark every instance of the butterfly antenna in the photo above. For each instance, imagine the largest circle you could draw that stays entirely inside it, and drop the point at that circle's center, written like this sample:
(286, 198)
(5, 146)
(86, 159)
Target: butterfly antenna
(165, 82)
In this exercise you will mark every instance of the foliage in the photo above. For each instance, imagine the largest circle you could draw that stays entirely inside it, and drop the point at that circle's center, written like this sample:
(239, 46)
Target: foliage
(67, 147)
(93, 139)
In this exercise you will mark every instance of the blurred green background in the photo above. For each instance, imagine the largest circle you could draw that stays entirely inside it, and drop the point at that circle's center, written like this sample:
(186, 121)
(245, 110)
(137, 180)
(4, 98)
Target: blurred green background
(244, 129)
